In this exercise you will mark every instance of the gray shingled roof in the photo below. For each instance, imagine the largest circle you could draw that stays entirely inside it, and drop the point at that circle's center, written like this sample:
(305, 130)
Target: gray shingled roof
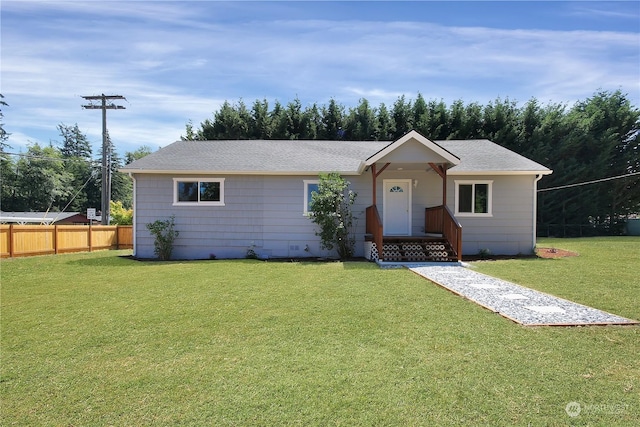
(482, 155)
(311, 157)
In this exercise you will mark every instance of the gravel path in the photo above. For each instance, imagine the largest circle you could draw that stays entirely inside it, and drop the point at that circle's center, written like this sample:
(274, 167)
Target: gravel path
(515, 302)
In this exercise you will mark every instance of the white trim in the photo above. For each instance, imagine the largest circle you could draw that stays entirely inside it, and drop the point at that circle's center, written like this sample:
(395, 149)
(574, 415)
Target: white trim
(448, 156)
(473, 182)
(134, 220)
(306, 183)
(361, 168)
(385, 205)
(452, 172)
(198, 180)
(535, 212)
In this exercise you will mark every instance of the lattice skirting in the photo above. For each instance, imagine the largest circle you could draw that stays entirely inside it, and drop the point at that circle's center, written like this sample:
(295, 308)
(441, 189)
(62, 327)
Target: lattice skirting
(407, 251)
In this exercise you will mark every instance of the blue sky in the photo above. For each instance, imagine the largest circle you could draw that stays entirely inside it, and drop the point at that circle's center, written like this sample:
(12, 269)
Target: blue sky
(177, 61)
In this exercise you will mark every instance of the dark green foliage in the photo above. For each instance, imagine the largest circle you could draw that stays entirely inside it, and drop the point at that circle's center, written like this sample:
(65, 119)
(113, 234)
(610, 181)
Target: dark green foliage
(62, 177)
(331, 207)
(3, 133)
(165, 234)
(596, 138)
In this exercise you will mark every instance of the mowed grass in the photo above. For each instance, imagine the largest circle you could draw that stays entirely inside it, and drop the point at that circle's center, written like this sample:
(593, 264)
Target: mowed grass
(101, 339)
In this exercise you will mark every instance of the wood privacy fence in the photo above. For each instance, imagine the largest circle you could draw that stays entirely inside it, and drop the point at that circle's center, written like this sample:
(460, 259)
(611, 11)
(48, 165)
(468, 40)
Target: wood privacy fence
(29, 240)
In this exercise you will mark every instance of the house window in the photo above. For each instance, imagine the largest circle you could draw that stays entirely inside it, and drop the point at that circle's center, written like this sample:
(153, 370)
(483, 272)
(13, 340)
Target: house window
(198, 191)
(473, 198)
(309, 187)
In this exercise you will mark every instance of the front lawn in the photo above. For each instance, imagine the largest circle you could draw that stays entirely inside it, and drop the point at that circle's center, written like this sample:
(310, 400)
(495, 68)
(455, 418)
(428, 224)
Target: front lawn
(101, 339)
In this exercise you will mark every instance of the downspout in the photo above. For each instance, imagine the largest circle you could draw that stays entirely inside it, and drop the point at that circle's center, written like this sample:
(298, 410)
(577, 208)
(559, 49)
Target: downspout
(135, 211)
(535, 209)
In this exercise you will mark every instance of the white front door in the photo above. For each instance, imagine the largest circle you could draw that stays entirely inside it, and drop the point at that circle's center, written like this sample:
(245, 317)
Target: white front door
(396, 217)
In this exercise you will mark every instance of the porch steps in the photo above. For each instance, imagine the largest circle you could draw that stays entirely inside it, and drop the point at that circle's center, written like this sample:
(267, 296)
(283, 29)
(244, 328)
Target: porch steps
(417, 249)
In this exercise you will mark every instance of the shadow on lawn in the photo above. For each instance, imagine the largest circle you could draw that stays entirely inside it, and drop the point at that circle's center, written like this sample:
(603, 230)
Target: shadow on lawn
(104, 261)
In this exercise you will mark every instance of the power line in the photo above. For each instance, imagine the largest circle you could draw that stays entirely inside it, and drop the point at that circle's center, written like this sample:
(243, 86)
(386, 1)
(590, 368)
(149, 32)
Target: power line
(106, 157)
(579, 184)
(74, 196)
(59, 159)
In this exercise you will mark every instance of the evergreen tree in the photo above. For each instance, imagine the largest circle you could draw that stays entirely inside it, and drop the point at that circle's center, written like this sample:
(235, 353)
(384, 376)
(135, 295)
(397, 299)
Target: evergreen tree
(386, 127)
(360, 124)
(311, 122)
(332, 121)
(403, 116)
(260, 122)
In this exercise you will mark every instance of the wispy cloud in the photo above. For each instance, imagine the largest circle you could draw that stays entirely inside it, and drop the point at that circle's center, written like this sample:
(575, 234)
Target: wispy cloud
(176, 63)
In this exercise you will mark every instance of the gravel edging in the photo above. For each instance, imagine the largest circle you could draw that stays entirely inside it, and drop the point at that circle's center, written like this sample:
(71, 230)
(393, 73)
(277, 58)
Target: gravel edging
(517, 303)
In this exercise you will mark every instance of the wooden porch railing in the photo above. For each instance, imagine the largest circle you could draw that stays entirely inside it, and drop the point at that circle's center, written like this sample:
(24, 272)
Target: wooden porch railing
(439, 219)
(374, 228)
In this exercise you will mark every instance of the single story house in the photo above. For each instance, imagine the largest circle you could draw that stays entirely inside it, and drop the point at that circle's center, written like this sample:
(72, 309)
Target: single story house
(416, 199)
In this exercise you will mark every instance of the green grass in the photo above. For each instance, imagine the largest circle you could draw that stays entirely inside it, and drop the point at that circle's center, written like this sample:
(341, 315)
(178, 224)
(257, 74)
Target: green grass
(100, 339)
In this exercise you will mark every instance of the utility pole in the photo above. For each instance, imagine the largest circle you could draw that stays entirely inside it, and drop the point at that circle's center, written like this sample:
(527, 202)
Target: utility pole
(106, 153)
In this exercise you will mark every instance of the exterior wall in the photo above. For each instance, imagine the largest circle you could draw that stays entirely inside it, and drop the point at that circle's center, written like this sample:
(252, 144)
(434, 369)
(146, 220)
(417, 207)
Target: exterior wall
(509, 231)
(261, 212)
(266, 213)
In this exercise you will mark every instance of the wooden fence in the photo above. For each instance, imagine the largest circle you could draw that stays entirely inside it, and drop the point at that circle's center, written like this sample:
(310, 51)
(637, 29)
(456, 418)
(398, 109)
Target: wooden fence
(30, 240)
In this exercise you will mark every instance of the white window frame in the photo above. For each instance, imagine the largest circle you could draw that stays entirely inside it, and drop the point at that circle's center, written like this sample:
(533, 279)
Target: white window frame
(305, 209)
(198, 202)
(473, 183)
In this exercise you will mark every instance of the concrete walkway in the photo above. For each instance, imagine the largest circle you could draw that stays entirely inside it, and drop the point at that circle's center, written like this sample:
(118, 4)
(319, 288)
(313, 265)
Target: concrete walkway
(517, 303)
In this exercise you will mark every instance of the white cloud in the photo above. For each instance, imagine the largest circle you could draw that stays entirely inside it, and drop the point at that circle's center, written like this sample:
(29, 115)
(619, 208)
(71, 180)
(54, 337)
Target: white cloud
(175, 63)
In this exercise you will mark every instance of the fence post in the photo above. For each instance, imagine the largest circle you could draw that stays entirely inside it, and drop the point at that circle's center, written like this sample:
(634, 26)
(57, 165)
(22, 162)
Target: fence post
(90, 237)
(11, 241)
(55, 239)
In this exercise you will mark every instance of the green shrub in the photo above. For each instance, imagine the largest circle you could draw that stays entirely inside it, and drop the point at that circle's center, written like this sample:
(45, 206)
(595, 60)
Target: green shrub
(331, 211)
(165, 234)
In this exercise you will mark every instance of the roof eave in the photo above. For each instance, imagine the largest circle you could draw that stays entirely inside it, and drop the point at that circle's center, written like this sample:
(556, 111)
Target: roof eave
(501, 172)
(176, 172)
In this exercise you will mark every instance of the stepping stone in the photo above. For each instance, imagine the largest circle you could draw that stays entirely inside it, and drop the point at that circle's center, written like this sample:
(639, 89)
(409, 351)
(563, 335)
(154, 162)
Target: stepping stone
(484, 286)
(513, 296)
(545, 309)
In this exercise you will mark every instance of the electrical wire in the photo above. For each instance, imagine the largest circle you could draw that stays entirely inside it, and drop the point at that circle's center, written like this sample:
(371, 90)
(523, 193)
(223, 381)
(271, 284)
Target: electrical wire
(579, 184)
(75, 195)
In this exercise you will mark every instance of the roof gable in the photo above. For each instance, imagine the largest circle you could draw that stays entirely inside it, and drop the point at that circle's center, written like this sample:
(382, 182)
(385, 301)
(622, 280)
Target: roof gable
(413, 148)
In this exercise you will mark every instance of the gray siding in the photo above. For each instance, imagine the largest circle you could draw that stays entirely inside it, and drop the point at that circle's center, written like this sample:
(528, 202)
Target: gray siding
(266, 212)
(509, 231)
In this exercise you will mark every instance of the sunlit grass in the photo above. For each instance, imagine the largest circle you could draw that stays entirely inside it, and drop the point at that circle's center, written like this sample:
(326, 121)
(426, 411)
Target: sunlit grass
(100, 339)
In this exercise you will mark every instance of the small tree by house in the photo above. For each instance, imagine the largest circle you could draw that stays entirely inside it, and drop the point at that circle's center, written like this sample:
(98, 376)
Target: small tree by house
(331, 208)
(165, 234)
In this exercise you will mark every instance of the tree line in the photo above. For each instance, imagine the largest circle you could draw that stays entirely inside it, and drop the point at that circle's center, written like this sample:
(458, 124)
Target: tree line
(593, 139)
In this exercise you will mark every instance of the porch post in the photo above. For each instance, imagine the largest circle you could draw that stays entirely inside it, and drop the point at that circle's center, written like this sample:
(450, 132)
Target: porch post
(444, 187)
(375, 173)
(442, 171)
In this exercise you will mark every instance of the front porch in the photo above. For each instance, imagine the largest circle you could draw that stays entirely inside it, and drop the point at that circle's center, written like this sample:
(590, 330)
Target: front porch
(442, 242)
(396, 236)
